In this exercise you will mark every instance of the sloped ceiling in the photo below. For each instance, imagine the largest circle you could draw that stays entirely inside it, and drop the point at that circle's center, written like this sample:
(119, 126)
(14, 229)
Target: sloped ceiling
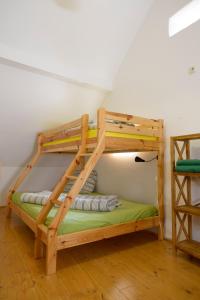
(83, 40)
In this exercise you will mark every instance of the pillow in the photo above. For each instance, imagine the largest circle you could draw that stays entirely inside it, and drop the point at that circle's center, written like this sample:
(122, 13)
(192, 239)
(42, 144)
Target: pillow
(89, 185)
(95, 202)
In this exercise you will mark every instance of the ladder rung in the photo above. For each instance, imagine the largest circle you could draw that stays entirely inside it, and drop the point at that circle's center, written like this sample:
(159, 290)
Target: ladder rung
(86, 154)
(72, 177)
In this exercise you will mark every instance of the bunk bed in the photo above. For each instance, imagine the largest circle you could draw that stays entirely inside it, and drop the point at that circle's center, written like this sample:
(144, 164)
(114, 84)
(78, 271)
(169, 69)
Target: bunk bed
(115, 132)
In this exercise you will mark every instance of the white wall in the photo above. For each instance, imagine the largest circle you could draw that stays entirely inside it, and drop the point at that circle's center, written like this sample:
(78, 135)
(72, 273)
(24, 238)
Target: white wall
(78, 39)
(31, 102)
(153, 81)
(118, 173)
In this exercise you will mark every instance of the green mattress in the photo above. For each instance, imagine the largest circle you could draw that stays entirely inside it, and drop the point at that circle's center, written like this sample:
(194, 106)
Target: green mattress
(77, 220)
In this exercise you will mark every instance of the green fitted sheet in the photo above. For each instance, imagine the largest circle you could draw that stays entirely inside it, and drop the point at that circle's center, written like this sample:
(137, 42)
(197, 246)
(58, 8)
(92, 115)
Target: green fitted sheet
(187, 168)
(188, 162)
(77, 220)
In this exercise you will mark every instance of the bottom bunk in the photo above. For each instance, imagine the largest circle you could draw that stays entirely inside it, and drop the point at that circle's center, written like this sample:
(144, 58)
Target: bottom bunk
(81, 227)
(79, 220)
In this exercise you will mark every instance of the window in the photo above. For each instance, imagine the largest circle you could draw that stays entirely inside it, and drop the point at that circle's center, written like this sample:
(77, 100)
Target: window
(188, 15)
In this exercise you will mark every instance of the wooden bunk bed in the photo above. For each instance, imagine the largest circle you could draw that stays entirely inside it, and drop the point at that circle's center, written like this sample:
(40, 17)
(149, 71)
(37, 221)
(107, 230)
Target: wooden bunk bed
(115, 132)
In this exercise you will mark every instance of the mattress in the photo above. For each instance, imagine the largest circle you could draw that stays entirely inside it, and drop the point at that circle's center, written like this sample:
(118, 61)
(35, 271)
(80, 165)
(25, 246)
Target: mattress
(77, 220)
(92, 133)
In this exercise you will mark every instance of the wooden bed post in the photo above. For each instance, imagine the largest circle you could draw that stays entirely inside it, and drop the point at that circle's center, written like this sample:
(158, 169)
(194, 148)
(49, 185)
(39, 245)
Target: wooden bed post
(160, 182)
(24, 174)
(101, 114)
(51, 252)
(173, 193)
(38, 245)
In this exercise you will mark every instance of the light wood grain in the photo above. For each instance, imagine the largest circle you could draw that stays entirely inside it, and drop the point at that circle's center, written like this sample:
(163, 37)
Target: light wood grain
(186, 137)
(49, 236)
(88, 236)
(182, 206)
(59, 129)
(132, 119)
(138, 130)
(131, 267)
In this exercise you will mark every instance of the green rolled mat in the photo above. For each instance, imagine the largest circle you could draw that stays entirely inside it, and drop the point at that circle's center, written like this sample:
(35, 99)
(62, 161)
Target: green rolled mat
(188, 162)
(187, 168)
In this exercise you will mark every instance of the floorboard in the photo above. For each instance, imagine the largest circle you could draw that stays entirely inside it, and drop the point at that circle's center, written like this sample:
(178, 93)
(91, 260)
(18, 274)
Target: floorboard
(132, 267)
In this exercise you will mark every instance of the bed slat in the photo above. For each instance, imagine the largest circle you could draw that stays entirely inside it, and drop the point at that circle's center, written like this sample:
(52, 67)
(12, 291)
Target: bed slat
(140, 130)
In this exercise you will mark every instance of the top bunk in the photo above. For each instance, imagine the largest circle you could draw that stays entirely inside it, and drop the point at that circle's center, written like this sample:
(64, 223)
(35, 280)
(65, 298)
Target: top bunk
(120, 132)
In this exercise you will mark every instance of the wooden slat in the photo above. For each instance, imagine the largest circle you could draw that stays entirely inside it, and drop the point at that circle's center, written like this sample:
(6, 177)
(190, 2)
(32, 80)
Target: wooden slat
(101, 114)
(186, 137)
(133, 119)
(62, 147)
(181, 190)
(182, 224)
(141, 130)
(117, 144)
(87, 236)
(112, 145)
(69, 149)
(181, 228)
(62, 135)
(160, 180)
(69, 146)
(51, 253)
(189, 209)
(189, 189)
(44, 231)
(190, 247)
(52, 132)
(187, 174)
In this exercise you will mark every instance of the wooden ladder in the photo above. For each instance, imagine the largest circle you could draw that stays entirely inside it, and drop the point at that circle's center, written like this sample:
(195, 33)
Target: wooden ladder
(64, 206)
(79, 181)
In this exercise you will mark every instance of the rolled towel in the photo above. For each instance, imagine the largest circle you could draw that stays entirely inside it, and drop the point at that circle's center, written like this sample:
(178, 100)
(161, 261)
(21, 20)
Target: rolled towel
(188, 162)
(81, 202)
(189, 169)
(95, 202)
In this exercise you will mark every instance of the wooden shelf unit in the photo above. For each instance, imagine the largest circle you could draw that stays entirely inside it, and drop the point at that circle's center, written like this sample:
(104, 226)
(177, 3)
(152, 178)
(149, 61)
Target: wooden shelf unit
(190, 247)
(182, 206)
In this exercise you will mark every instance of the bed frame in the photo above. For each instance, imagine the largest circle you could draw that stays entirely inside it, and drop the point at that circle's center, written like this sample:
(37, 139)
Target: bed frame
(87, 153)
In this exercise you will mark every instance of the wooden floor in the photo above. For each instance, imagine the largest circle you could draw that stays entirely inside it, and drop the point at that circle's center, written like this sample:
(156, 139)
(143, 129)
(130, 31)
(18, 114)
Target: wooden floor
(133, 267)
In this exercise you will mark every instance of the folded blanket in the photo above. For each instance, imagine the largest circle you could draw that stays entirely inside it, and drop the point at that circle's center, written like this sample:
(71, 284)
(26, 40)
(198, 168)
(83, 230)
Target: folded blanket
(81, 202)
(189, 169)
(188, 162)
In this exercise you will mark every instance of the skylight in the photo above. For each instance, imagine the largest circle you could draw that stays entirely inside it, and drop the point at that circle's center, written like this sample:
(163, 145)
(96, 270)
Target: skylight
(188, 15)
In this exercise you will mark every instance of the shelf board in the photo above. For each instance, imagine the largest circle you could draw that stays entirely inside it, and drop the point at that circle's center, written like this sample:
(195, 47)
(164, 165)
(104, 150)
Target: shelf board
(189, 209)
(187, 174)
(190, 247)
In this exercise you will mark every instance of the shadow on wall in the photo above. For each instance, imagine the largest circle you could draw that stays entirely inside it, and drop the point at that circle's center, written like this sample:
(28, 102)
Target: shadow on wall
(119, 174)
(44, 176)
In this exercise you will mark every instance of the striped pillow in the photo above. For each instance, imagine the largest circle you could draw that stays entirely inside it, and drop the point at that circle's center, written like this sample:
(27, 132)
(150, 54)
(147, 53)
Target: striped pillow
(89, 185)
(95, 202)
